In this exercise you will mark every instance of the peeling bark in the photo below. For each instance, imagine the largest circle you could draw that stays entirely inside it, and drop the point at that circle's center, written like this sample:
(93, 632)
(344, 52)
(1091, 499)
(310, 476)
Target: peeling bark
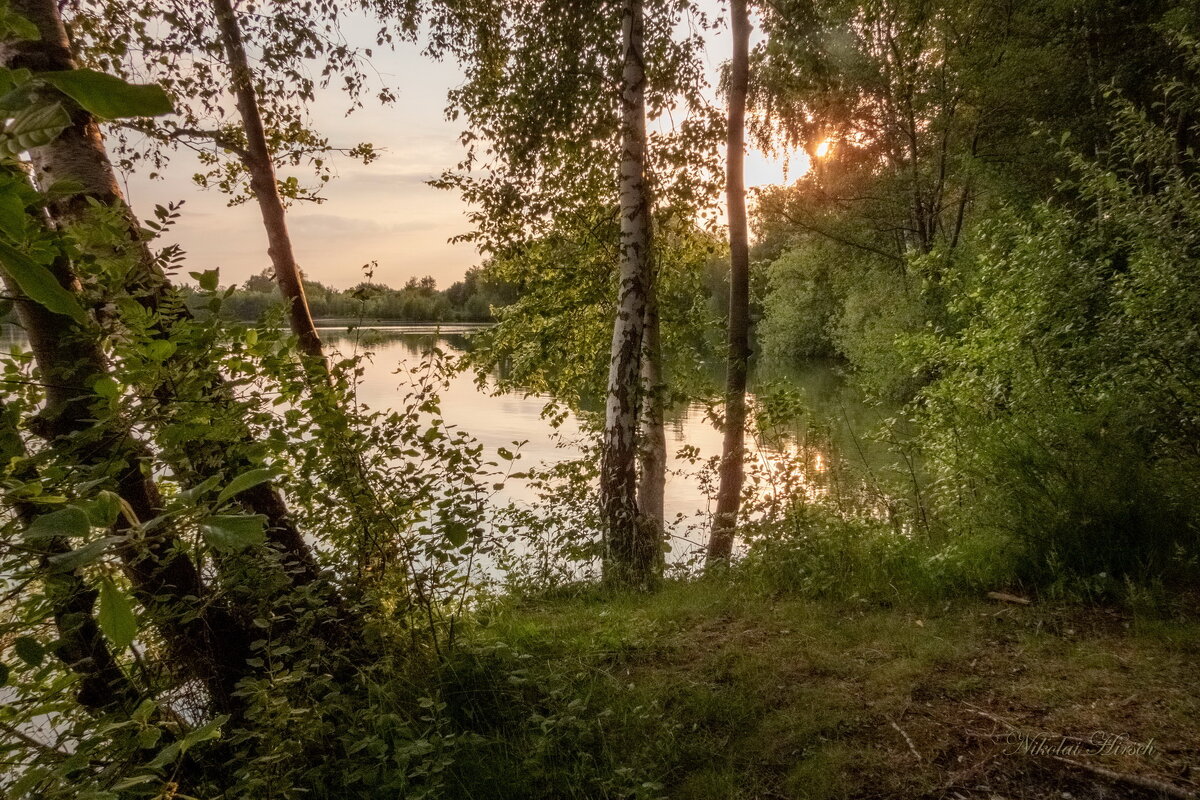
(631, 553)
(732, 470)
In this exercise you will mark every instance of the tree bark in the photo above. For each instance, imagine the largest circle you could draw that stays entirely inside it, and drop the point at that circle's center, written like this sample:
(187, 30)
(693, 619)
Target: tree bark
(261, 167)
(103, 685)
(732, 469)
(79, 154)
(205, 639)
(652, 474)
(630, 556)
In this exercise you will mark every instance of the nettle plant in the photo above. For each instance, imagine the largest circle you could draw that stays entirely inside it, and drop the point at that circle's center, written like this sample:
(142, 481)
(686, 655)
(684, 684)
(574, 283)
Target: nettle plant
(216, 577)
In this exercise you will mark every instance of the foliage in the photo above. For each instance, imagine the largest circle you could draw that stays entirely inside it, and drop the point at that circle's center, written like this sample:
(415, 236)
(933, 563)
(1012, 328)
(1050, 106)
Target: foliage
(473, 299)
(1061, 414)
(299, 49)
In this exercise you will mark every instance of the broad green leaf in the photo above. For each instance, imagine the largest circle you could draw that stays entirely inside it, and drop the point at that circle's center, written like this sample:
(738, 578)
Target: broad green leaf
(247, 480)
(39, 284)
(107, 96)
(3, 674)
(15, 26)
(207, 279)
(144, 711)
(148, 737)
(90, 552)
(231, 534)
(34, 126)
(165, 756)
(457, 534)
(106, 386)
(103, 509)
(199, 490)
(116, 615)
(12, 215)
(160, 349)
(209, 730)
(29, 650)
(136, 780)
(70, 521)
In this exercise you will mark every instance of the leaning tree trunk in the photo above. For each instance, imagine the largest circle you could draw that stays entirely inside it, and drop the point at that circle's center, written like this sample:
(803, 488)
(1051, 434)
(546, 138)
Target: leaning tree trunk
(630, 551)
(729, 492)
(103, 686)
(205, 639)
(79, 155)
(258, 162)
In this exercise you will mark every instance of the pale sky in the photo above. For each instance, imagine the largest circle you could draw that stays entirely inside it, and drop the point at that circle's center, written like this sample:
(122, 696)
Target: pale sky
(383, 211)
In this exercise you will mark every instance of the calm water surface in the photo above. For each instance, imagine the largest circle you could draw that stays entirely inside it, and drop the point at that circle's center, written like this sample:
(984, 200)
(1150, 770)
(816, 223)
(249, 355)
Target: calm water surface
(833, 433)
(837, 419)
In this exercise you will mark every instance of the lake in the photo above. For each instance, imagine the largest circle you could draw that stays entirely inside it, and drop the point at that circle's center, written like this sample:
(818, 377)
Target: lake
(831, 433)
(811, 455)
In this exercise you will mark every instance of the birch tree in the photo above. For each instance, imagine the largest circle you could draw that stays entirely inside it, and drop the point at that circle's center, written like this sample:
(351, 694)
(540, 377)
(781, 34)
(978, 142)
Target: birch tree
(628, 557)
(558, 97)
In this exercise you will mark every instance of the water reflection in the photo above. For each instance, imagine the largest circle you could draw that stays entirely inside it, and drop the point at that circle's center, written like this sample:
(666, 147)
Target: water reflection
(805, 457)
(790, 458)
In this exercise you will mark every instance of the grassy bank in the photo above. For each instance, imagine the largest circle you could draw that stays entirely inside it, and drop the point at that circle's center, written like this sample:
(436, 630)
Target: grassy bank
(717, 689)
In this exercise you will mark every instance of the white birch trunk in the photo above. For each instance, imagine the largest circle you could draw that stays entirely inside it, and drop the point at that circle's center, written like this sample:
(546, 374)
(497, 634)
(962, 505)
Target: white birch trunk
(629, 558)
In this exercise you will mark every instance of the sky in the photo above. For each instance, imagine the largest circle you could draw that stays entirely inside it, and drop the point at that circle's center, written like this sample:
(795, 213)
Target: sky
(382, 212)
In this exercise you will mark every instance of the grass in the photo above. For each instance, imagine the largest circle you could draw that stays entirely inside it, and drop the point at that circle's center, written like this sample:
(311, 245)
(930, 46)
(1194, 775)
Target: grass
(720, 689)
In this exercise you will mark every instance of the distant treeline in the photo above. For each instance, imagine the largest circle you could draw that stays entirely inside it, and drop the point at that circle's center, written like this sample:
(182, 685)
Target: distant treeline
(419, 300)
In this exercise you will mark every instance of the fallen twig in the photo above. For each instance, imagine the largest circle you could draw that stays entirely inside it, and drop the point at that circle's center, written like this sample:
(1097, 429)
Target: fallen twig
(907, 738)
(1005, 597)
(1144, 782)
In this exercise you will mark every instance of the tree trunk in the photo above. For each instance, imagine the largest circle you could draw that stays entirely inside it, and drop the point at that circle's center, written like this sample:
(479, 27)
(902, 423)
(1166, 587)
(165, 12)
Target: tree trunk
(103, 685)
(78, 154)
(630, 557)
(729, 492)
(652, 475)
(261, 167)
(205, 639)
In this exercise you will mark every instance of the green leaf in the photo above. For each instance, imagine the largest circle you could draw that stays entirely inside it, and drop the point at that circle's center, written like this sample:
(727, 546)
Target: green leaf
(29, 650)
(69, 521)
(116, 615)
(15, 26)
(165, 756)
(148, 737)
(247, 480)
(39, 284)
(457, 533)
(209, 730)
(34, 126)
(103, 509)
(136, 780)
(207, 279)
(3, 674)
(107, 96)
(92, 551)
(106, 386)
(199, 490)
(12, 215)
(231, 534)
(160, 349)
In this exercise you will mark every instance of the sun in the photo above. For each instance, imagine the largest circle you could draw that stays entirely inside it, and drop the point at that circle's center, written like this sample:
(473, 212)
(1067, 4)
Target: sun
(823, 148)
(785, 165)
